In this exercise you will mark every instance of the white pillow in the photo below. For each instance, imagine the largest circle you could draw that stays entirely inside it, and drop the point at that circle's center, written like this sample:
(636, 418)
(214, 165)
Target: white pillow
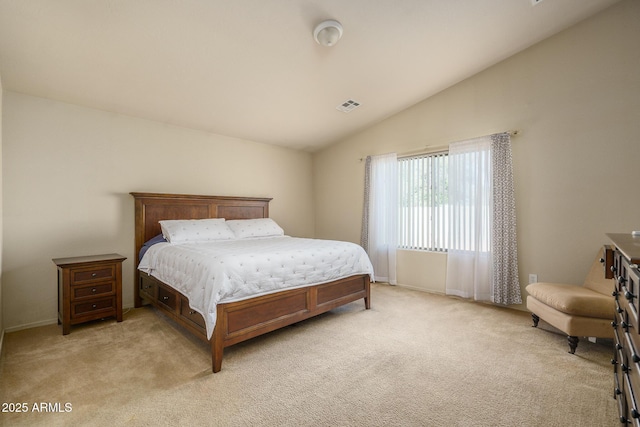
(259, 227)
(195, 230)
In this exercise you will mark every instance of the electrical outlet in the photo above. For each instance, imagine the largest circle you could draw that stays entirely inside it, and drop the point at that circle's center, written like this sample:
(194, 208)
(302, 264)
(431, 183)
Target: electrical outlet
(533, 278)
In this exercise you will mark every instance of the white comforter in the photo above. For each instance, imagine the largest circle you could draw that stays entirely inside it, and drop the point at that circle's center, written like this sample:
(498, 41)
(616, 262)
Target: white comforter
(209, 273)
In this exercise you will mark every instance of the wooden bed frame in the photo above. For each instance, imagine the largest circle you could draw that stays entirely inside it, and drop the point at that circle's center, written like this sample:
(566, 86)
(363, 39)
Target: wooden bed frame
(241, 320)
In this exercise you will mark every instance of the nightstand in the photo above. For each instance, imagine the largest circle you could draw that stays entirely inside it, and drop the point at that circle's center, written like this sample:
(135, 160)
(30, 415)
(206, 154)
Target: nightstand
(89, 288)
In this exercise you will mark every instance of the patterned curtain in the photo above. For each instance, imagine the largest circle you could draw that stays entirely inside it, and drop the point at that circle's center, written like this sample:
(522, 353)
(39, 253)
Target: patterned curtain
(506, 286)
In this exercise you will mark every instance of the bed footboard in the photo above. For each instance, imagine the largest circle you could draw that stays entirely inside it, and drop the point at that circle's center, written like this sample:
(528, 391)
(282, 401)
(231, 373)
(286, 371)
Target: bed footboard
(243, 320)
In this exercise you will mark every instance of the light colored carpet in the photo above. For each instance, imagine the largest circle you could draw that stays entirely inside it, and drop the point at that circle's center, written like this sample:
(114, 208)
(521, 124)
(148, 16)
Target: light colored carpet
(414, 359)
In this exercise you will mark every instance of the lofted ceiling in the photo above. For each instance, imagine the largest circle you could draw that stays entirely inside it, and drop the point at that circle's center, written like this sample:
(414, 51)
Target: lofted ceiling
(251, 69)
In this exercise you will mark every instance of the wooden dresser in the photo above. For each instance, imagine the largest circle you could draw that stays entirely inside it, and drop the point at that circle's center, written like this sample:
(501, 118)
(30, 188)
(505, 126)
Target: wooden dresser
(89, 288)
(626, 354)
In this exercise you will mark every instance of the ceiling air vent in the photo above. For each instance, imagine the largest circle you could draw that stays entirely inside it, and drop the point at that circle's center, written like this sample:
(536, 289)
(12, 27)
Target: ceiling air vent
(348, 106)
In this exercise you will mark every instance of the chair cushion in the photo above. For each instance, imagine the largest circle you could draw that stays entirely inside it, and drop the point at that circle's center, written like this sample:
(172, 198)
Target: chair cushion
(572, 299)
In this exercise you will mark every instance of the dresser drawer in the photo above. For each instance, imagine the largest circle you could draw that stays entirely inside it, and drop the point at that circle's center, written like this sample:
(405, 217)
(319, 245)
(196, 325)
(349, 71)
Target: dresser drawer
(621, 326)
(607, 261)
(628, 301)
(619, 314)
(630, 316)
(617, 266)
(632, 407)
(633, 384)
(92, 290)
(97, 308)
(632, 289)
(618, 393)
(92, 274)
(631, 344)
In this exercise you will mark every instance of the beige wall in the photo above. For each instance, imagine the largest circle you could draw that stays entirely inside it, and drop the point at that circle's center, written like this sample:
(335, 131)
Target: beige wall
(68, 171)
(576, 100)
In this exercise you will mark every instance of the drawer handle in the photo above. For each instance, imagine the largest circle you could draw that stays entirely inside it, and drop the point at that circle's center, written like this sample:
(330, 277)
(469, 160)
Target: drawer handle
(624, 368)
(614, 324)
(619, 346)
(619, 310)
(94, 290)
(94, 274)
(635, 413)
(614, 293)
(621, 280)
(93, 306)
(628, 295)
(624, 325)
(192, 312)
(614, 362)
(613, 269)
(635, 358)
(618, 391)
(165, 298)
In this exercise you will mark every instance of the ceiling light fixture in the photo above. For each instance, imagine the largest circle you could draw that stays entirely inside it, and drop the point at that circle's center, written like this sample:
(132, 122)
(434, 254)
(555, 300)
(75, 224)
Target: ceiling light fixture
(327, 33)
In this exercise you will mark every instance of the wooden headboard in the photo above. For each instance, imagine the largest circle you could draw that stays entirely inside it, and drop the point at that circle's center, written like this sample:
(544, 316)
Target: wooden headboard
(151, 208)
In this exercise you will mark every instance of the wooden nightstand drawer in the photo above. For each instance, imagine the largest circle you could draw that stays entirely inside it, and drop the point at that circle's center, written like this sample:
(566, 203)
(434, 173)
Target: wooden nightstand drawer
(89, 288)
(104, 307)
(92, 274)
(92, 290)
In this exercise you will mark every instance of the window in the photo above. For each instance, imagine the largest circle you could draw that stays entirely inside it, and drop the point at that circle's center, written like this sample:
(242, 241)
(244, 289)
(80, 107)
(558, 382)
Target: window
(423, 202)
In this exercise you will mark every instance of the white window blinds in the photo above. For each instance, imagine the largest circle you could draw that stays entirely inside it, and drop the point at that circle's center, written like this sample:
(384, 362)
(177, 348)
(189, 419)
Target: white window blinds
(423, 202)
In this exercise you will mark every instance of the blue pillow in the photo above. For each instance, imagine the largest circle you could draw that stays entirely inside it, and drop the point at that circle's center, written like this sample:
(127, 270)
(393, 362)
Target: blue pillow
(157, 239)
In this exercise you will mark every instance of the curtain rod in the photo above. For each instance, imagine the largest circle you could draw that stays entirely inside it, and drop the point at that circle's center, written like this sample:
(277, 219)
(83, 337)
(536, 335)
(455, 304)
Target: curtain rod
(434, 149)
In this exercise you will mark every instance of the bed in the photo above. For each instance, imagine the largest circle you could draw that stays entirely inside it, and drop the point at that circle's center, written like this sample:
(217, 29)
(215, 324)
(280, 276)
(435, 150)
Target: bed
(246, 318)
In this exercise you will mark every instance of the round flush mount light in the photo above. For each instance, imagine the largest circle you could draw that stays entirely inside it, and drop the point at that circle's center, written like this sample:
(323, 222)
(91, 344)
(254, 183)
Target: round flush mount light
(327, 33)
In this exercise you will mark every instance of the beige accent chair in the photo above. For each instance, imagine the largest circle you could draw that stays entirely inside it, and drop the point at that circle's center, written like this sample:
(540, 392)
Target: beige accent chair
(578, 311)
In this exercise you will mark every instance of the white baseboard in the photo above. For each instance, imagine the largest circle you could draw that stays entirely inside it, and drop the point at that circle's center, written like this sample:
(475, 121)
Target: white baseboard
(416, 288)
(32, 325)
(46, 322)
(434, 292)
